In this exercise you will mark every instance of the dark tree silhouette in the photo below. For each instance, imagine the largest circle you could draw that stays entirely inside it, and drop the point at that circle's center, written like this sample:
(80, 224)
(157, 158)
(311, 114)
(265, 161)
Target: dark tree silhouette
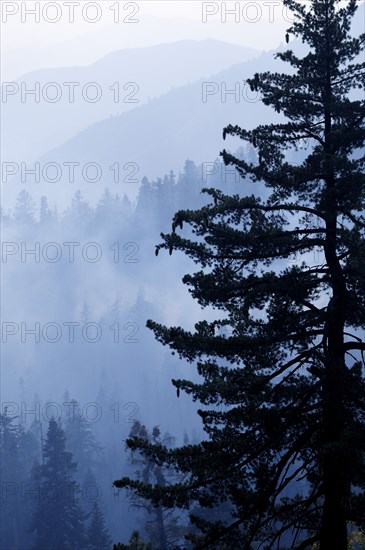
(135, 543)
(58, 520)
(163, 527)
(97, 536)
(282, 385)
(18, 449)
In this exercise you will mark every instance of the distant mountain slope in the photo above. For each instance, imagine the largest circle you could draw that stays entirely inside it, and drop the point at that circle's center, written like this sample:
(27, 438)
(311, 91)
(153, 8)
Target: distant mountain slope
(30, 128)
(156, 137)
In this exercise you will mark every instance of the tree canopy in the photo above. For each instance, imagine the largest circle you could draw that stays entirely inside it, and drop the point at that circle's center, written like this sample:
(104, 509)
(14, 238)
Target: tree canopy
(281, 372)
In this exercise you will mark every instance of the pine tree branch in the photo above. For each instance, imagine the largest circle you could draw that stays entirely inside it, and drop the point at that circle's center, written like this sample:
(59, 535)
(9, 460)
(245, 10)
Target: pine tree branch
(299, 359)
(310, 306)
(353, 218)
(307, 543)
(354, 345)
(311, 500)
(291, 208)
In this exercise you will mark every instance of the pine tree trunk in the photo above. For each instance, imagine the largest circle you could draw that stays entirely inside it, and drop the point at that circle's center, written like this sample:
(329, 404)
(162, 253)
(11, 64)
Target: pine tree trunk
(333, 532)
(161, 528)
(159, 512)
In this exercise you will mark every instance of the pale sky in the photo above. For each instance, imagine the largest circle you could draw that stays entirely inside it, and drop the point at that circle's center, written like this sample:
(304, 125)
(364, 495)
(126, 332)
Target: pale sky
(79, 32)
(28, 44)
(20, 29)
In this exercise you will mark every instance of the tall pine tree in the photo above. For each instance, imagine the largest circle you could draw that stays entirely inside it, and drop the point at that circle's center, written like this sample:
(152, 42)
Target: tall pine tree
(163, 527)
(18, 449)
(97, 535)
(58, 520)
(283, 390)
(80, 437)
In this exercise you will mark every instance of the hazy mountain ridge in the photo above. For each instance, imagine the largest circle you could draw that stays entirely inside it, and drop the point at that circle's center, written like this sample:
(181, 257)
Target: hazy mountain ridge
(140, 74)
(156, 137)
